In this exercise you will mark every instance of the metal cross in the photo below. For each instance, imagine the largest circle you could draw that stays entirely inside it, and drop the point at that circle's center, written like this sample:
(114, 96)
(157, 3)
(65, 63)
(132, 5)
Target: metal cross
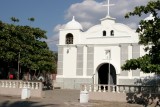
(108, 5)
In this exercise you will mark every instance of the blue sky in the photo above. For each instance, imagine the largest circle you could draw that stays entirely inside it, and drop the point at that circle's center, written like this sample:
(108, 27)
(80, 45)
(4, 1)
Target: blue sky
(50, 15)
(47, 13)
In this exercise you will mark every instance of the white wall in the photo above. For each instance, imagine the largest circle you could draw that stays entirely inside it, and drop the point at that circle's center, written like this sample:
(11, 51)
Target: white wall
(69, 62)
(100, 57)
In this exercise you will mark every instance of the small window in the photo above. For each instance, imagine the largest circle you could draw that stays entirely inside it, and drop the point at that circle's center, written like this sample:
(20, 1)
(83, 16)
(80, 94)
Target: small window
(112, 32)
(69, 38)
(104, 33)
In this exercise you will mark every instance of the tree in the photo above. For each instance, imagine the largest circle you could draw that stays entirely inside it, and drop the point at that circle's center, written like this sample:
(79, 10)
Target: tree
(31, 19)
(26, 42)
(149, 35)
(14, 19)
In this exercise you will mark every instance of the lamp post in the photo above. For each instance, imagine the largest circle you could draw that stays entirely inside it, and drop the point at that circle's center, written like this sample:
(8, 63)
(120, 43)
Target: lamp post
(93, 78)
(109, 73)
(109, 56)
(18, 65)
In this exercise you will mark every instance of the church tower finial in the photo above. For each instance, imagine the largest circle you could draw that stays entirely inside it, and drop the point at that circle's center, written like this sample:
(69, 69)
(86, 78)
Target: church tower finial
(73, 18)
(108, 5)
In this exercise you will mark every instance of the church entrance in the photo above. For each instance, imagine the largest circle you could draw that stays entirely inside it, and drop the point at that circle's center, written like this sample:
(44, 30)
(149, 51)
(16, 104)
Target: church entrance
(103, 72)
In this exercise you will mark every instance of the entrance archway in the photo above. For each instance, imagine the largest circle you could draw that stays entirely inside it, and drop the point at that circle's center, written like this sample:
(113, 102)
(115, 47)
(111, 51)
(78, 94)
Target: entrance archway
(103, 72)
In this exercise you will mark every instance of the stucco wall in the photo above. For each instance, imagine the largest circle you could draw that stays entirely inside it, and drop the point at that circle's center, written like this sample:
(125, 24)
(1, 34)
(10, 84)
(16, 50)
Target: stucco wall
(72, 83)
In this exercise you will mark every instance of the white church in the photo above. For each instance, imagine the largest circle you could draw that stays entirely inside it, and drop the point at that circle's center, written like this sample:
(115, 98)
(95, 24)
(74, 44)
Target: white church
(95, 56)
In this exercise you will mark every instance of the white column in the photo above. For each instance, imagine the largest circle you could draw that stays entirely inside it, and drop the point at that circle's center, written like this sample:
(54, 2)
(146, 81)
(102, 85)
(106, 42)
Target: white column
(10, 84)
(99, 88)
(95, 88)
(24, 85)
(14, 84)
(20, 85)
(32, 86)
(6, 84)
(36, 85)
(3, 83)
(130, 57)
(28, 84)
(90, 88)
(84, 61)
(85, 87)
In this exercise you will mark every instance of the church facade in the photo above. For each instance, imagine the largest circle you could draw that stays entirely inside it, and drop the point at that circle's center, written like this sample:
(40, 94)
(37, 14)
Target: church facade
(95, 56)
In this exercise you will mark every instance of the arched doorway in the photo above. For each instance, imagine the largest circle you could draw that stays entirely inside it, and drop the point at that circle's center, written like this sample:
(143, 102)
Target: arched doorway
(103, 71)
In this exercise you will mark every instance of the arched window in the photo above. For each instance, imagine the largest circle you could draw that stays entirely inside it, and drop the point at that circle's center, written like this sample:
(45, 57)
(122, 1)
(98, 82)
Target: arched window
(112, 32)
(69, 38)
(104, 33)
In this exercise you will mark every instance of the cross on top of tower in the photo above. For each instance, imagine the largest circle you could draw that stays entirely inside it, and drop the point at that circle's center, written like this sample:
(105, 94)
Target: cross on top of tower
(108, 5)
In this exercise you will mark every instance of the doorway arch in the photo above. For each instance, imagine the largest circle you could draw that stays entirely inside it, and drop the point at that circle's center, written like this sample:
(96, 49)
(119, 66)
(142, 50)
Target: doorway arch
(103, 71)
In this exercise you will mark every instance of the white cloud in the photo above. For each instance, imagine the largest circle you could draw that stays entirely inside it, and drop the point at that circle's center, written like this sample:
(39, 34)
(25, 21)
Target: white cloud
(88, 13)
(86, 25)
(59, 26)
(53, 40)
(132, 25)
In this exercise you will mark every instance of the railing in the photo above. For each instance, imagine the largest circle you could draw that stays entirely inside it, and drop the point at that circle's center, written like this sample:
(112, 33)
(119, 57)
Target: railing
(20, 84)
(120, 88)
(14, 87)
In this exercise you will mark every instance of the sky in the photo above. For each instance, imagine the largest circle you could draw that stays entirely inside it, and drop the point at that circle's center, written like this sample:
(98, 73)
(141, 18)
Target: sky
(52, 15)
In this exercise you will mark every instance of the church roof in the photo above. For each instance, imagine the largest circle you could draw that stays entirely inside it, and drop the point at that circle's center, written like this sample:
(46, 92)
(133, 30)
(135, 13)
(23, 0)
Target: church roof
(73, 24)
(113, 26)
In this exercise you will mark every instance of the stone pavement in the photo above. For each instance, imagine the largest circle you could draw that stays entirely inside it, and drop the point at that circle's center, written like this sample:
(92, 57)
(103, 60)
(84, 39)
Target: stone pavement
(58, 98)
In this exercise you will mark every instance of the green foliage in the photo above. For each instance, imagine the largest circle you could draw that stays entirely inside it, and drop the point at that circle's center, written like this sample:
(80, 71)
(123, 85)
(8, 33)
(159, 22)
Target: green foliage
(26, 42)
(132, 64)
(31, 19)
(14, 19)
(149, 32)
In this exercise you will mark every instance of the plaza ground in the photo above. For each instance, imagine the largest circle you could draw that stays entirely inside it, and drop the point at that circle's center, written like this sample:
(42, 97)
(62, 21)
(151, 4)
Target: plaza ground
(59, 98)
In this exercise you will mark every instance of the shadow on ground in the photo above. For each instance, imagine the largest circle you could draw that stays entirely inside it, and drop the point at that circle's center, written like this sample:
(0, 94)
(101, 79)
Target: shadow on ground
(145, 99)
(25, 104)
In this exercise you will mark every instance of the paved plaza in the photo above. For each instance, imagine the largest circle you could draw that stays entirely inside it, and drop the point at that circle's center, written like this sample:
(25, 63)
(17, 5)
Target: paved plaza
(58, 98)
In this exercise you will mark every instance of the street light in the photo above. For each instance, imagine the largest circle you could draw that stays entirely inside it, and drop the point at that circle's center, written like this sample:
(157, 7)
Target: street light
(109, 74)
(93, 78)
(108, 52)
(18, 65)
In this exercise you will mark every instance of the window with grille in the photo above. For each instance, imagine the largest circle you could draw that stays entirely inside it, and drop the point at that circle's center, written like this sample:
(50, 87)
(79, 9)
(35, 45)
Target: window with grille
(69, 38)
